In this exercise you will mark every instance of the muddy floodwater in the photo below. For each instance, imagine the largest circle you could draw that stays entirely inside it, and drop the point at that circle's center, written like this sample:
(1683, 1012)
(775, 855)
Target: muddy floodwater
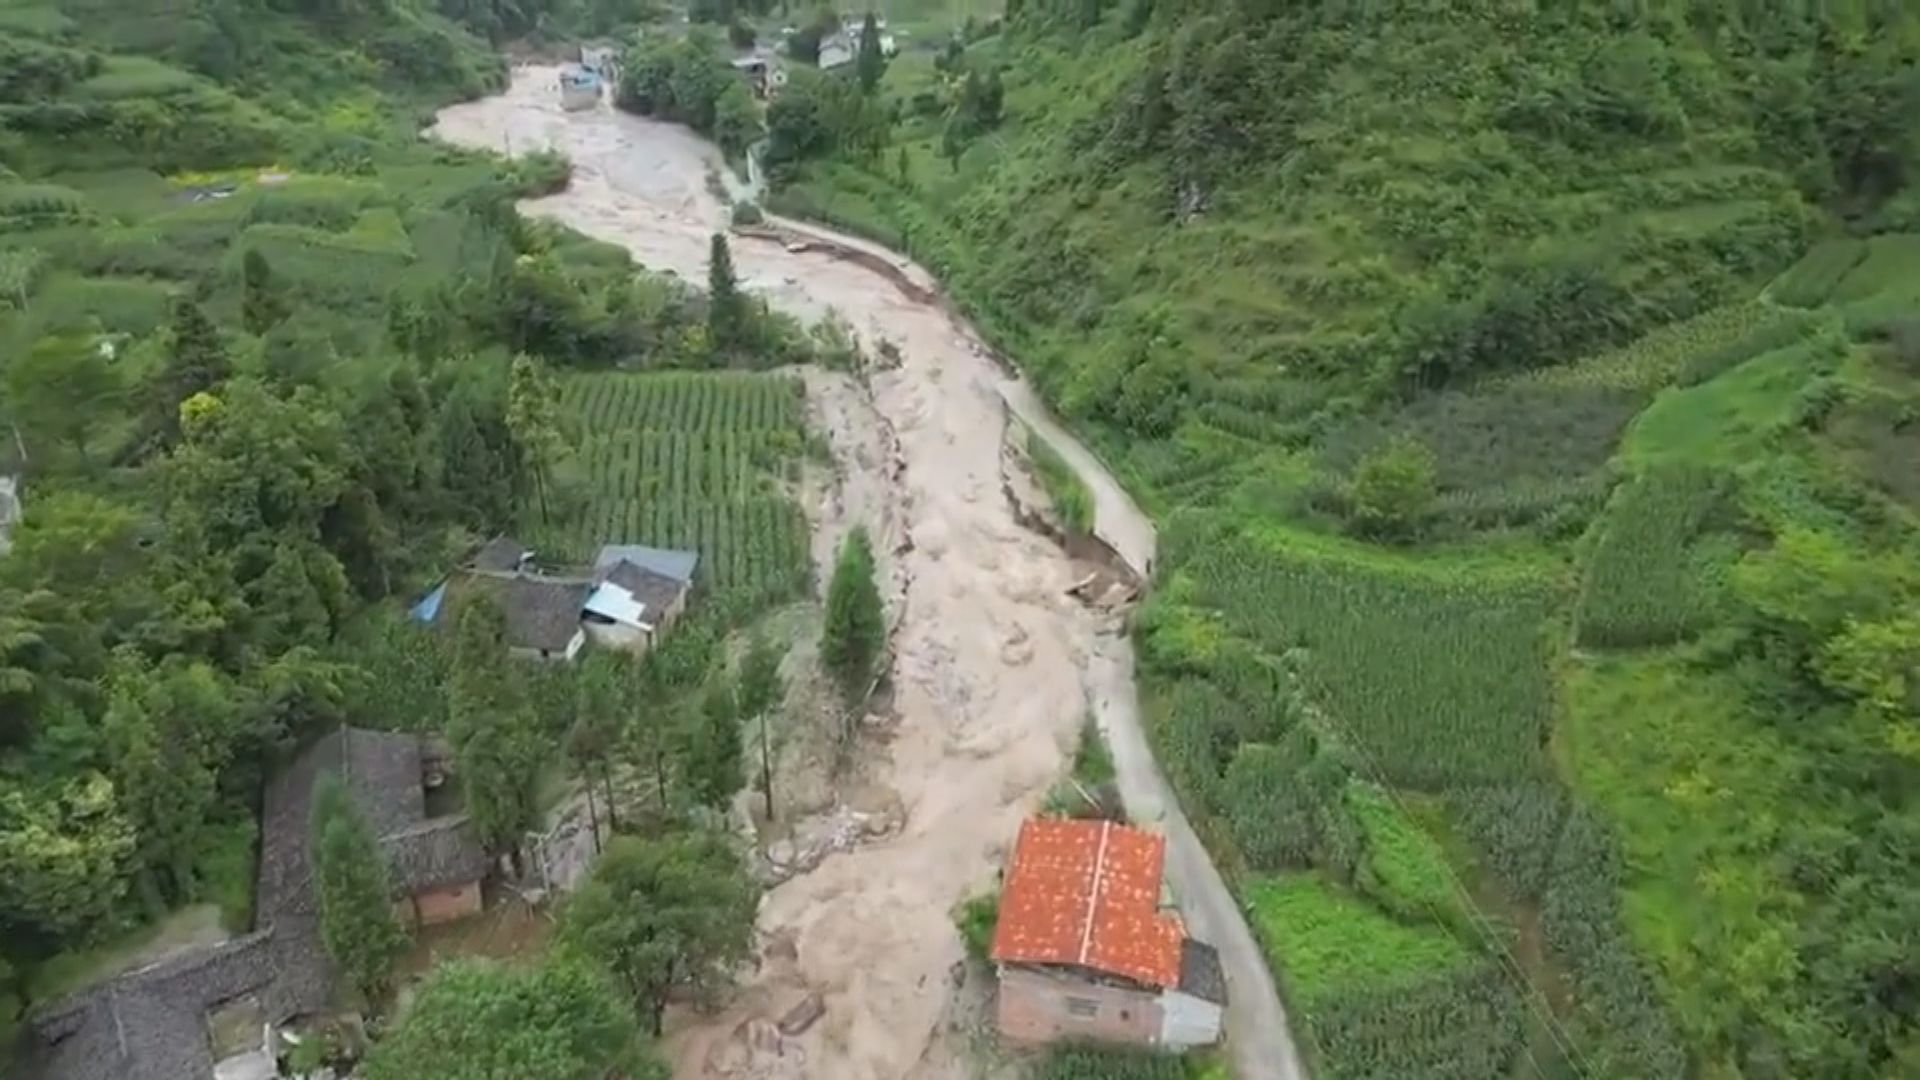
(995, 665)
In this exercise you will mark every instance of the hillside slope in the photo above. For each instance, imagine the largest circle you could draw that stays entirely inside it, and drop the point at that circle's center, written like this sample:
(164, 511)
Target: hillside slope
(1529, 628)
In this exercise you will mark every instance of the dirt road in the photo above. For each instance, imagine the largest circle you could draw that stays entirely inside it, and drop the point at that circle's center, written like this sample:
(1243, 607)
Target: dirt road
(994, 666)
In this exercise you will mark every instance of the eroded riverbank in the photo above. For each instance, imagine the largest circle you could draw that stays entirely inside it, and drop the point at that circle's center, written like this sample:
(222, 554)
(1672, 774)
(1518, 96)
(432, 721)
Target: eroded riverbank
(994, 665)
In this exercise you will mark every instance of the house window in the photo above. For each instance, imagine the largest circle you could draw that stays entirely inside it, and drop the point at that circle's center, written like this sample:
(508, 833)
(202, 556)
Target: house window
(1085, 1008)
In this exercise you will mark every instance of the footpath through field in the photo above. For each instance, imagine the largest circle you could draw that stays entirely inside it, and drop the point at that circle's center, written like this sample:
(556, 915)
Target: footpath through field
(994, 664)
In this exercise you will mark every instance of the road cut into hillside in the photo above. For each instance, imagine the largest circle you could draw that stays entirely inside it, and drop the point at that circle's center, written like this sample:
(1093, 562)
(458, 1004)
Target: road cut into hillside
(994, 665)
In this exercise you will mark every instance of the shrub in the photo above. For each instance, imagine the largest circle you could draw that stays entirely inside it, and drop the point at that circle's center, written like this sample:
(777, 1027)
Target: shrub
(976, 920)
(1404, 869)
(1328, 943)
(541, 173)
(1391, 491)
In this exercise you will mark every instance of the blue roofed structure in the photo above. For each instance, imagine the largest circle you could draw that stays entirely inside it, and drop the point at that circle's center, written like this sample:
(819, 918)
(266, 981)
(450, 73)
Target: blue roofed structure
(427, 610)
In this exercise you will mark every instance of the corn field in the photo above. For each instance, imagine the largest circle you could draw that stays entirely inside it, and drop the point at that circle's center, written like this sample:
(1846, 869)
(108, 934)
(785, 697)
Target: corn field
(1439, 677)
(1461, 1025)
(1686, 352)
(693, 461)
(1648, 582)
(1810, 281)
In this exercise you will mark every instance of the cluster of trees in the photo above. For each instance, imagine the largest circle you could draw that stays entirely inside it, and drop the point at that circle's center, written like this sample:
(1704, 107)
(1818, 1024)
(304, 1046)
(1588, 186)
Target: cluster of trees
(817, 115)
(658, 919)
(688, 79)
(197, 536)
(217, 493)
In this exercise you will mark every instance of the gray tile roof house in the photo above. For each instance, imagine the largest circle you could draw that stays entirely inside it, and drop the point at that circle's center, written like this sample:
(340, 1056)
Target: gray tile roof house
(657, 591)
(501, 555)
(543, 613)
(678, 565)
(155, 1023)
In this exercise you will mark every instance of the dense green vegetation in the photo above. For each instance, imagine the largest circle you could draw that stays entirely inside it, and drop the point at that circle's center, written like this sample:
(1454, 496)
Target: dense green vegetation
(694, 461)
(1518, 387)
(1107, 1063)
(474, 1020)
(269, 365)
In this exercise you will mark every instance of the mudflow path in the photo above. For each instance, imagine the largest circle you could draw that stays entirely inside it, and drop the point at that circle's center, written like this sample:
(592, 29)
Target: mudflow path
(994, 665)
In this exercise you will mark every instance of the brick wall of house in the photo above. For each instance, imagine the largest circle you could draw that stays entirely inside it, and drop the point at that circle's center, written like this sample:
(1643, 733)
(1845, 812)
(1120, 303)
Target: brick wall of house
(448, 904)
(1045, 1004)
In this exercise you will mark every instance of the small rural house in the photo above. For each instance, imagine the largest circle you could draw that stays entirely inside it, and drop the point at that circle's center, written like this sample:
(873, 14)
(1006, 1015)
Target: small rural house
(215, 1012)
(1085, 949)
(638, 593)
(632, 595)
(206, 1013)
(837, 50)
(542, 612)
(435, 864)
(579, 88)
(602, 58)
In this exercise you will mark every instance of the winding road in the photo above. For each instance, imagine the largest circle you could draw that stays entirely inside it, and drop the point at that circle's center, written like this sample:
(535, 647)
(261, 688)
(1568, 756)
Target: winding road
(994, 665)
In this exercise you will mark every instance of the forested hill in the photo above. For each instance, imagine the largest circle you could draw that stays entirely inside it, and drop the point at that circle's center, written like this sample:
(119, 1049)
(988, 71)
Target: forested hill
(1235, 196)
(270, 363)
(1528, 394)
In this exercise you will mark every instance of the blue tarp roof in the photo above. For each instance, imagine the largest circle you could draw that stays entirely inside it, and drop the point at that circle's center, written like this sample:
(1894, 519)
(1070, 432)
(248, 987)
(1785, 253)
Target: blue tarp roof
(428, 609)
(678, 565)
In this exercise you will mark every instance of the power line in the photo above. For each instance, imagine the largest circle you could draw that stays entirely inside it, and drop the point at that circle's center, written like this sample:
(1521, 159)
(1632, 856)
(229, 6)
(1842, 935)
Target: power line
(1535, 998)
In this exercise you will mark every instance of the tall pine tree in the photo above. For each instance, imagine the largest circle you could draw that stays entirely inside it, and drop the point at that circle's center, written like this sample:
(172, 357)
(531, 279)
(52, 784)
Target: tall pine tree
(261, 304)
(855, 632)
(196, 361)
(871, 61)
(350, 876)
(726, 305)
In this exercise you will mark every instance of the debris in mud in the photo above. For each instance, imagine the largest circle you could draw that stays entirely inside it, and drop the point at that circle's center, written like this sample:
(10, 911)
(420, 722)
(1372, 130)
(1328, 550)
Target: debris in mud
(1017, 649)
(1100, 589)
(802, 1016)
(841, 829)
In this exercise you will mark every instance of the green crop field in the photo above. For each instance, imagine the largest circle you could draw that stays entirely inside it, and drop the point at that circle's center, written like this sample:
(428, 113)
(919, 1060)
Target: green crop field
(1648, 581)
(696, 461)
(1330, 942)
(1438, 674)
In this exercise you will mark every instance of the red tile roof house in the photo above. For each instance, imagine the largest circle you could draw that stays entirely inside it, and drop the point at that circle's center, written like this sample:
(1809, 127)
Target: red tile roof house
(1085, 950)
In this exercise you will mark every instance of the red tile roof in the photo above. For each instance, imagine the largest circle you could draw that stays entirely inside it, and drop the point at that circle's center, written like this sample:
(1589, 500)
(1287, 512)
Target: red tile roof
(1088, 893)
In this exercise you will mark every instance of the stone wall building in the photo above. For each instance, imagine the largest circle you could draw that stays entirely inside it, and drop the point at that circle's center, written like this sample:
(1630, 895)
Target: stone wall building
(214, 1012)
